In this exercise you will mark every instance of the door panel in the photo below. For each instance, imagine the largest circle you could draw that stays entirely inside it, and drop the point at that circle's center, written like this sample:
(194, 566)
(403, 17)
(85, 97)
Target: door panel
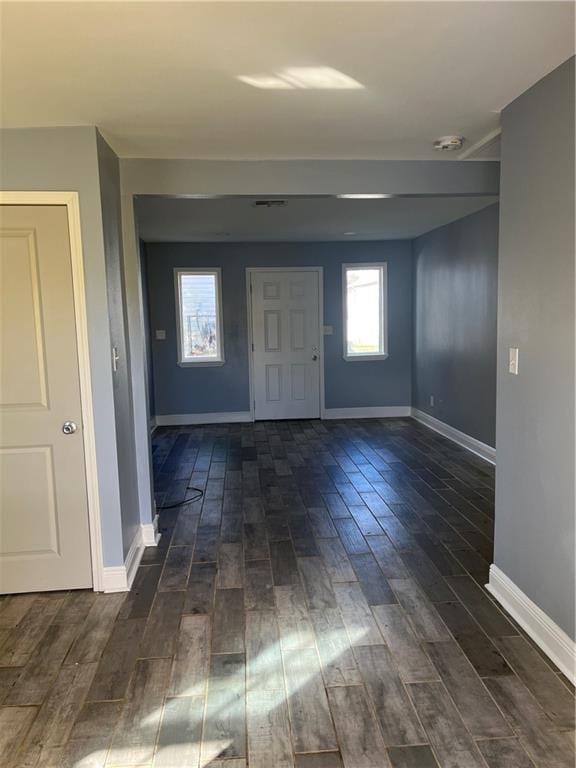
(285, 318)
(44, 534)
(23, 354)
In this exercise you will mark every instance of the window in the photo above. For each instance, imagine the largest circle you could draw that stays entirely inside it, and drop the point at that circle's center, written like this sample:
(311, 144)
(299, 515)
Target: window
(365, 307)
(199, 316)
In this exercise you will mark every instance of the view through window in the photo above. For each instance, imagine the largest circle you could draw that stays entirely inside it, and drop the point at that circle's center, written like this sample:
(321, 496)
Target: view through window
(364, 301)
(199, 316)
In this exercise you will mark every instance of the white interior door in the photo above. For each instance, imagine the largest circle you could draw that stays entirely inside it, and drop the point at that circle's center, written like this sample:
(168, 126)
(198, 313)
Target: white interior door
(286, 355)
(44, 531)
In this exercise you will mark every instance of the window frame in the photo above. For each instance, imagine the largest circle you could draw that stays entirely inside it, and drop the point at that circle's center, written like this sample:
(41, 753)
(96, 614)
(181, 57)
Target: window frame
(362, 357)
(186, 362)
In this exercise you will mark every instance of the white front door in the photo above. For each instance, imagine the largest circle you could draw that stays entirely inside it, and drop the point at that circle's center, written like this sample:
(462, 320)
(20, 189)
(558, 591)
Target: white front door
(286, 354)
(44, 533)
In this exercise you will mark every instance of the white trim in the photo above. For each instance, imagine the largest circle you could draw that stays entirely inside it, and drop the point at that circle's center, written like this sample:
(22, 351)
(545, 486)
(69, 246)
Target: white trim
(120, 578)
(556, 644)
(368, 412)
(72, 202)
(219, 359)
(114, 579)
(152, 424)
(249, 272)
(382, 267)
(150, 535)
(321, 337)
(232, 417)
(177, 419)
(483, 450)
(134, 556)
(489, 137)
(250, 333)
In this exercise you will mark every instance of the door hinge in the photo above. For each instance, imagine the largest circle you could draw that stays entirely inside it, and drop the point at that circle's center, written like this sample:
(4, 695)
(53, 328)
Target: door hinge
(252, 347)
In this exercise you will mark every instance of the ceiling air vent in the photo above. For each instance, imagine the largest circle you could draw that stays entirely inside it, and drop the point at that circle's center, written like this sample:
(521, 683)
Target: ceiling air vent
(269, 203)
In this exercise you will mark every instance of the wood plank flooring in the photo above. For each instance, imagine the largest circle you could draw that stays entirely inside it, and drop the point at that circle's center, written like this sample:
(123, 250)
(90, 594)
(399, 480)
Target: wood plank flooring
(323, 606)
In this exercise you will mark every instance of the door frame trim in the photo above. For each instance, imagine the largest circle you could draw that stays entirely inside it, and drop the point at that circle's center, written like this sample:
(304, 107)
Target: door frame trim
(72, 202)
(249, 272)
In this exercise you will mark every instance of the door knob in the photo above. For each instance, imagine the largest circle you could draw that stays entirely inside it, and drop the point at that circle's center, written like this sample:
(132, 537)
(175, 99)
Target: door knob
(314, 357)
(69, 427)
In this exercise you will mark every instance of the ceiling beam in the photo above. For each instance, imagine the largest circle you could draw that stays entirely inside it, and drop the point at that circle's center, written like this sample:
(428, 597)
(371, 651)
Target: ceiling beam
(308, 177)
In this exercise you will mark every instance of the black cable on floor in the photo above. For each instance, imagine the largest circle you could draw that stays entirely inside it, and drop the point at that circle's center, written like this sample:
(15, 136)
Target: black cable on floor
(199, 494)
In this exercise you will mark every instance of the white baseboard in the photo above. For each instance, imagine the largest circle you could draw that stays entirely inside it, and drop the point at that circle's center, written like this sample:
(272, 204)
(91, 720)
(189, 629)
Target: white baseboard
(150, 535)
(133, 557)
(152, 424)
(176, 419)
(555, 643)
(376, 412)
(368, 412)
(120, 578)
(114, 579)
(483, 450)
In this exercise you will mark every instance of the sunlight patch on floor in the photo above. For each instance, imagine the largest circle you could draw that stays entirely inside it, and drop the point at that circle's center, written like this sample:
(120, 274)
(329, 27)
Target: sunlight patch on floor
(225, 704)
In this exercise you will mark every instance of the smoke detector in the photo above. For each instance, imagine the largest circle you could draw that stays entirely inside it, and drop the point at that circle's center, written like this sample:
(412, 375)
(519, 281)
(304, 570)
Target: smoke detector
(449, 143)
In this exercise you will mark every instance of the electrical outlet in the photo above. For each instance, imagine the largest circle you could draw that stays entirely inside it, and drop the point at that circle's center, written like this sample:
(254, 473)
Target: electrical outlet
(431, 401)
(160, 335)
(513, 360)
(115, 358)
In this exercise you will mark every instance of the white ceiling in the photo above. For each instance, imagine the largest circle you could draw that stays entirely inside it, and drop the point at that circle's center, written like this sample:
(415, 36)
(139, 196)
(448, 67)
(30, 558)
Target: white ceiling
(236, 219)
(159, 78)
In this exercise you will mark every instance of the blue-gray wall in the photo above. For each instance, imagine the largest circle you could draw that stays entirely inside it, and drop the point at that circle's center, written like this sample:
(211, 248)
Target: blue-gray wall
(147, 329)
(180, 390)
(535, 505)
(455, 300)
(109, 175)
(66, 159)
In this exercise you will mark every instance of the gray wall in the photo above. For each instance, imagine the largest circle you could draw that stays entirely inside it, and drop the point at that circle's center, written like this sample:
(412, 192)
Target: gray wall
(109, 173)
(147, 330)
(66, 159)
(455, 305)
(535, 506)
(347, 384)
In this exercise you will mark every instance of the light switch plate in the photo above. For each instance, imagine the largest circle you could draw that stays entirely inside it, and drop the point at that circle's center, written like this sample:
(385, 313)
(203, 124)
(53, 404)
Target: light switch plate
(513, 360)
(160, 335)
(328, 330)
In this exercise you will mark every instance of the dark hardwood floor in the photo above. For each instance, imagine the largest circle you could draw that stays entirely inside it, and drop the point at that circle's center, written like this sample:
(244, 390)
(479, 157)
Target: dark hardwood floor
(322, 606)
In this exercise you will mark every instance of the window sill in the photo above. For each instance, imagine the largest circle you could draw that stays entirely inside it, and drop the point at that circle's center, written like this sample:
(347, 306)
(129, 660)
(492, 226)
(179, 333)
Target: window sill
(364, 358)
(201, 363)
